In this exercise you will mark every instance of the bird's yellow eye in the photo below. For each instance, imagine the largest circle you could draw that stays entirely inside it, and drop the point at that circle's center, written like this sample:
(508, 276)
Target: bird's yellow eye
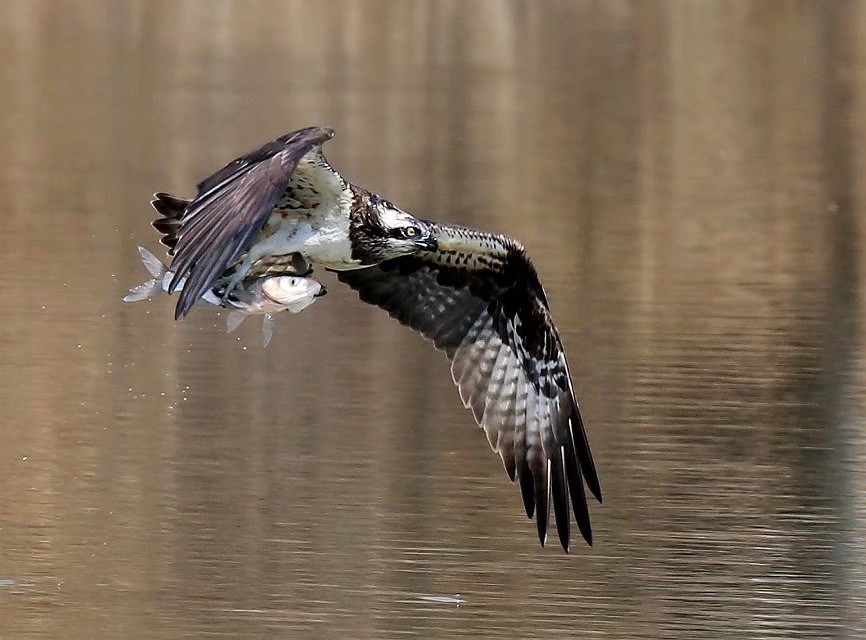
(411, 232)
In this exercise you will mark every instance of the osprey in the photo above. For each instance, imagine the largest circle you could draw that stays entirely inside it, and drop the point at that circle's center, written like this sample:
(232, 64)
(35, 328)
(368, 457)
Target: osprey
(476, 295)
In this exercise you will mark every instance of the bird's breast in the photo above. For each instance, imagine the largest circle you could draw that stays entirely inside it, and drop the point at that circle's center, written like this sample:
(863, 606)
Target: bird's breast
(321, 237)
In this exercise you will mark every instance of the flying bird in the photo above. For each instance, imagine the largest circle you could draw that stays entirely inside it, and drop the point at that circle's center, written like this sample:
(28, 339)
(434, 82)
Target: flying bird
(476, 295)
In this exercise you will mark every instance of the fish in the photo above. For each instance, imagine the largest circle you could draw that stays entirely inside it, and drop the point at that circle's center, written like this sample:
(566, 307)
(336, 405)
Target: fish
(263, 295)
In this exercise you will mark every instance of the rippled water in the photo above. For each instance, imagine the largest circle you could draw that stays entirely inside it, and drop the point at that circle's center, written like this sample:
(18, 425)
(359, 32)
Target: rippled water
(688, 179)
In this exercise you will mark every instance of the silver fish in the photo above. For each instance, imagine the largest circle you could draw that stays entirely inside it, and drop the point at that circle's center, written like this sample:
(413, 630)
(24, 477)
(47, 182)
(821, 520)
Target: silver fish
(259, 296)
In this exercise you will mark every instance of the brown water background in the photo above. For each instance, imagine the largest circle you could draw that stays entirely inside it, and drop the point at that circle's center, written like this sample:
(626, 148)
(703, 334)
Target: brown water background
(689, 179)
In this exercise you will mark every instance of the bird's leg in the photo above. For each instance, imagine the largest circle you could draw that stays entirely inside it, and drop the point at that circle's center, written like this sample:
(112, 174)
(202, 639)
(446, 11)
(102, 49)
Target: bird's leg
(292, 263)
(237, 276)
(300, 265)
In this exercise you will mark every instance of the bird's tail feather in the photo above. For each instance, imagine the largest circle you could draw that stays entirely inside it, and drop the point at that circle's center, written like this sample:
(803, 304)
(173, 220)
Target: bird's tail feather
(171, 208)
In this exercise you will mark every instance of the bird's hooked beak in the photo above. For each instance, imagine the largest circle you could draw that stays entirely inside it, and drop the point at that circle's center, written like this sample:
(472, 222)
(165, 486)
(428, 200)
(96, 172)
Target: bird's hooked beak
(429, 244)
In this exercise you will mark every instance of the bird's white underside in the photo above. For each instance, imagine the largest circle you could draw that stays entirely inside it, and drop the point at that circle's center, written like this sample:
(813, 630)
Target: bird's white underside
(509, 400)
(516, 418)
(320, 234)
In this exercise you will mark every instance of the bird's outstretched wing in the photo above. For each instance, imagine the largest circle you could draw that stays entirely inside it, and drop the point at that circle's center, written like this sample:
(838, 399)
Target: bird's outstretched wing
(480, 301)
(231, 208)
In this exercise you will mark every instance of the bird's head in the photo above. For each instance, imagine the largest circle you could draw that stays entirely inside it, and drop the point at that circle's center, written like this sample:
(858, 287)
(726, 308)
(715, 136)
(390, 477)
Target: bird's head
(383, 231)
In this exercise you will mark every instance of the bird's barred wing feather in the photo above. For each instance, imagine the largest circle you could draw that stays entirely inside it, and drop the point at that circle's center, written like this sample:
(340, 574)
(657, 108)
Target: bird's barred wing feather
(479, 299)
(231, 208)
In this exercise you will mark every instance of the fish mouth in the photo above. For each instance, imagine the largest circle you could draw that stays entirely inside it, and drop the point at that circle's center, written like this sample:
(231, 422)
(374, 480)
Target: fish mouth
(285, 303)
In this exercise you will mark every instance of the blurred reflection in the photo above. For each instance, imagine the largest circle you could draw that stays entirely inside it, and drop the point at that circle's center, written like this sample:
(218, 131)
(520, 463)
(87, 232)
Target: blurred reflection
(686, 177)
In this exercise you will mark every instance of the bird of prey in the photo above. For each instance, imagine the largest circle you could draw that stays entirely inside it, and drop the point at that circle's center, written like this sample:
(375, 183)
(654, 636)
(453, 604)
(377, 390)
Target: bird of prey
(476, 295)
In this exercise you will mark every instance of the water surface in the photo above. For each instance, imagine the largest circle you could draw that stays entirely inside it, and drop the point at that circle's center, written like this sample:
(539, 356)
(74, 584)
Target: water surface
(688, 180)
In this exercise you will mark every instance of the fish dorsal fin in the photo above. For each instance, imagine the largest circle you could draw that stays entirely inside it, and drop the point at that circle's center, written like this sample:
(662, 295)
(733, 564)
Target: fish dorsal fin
(234, 319)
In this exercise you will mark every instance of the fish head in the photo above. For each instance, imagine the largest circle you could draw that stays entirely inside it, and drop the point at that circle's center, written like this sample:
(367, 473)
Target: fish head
(293, 293)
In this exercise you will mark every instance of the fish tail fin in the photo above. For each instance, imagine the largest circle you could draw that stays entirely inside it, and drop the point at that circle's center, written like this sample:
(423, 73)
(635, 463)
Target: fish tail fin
(144, 291)
(154, 265)
(171, 208)
(151, 287)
